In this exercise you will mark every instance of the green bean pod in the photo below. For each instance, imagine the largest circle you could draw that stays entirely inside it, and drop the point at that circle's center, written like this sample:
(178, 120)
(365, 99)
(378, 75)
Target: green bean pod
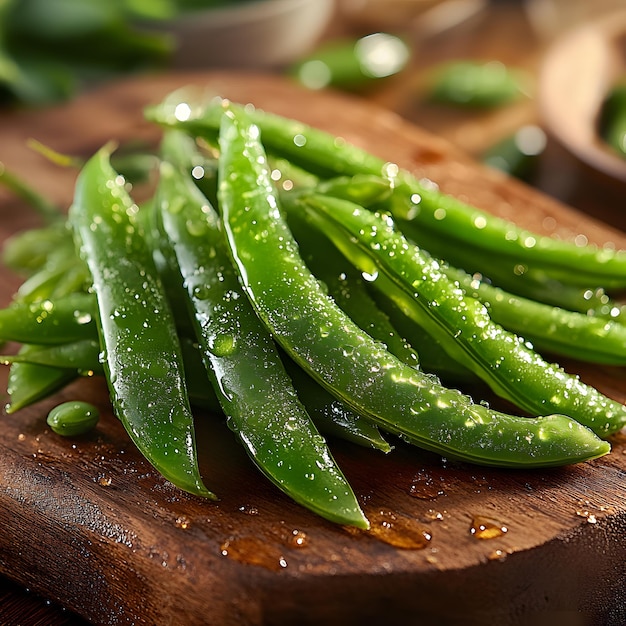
(82, 355)
(347, 288)
(462, 324)
(70, 318)
(350, 364)
(251, 384)
(519, 279)
(572, 334)
(326, 155)
(29, 383)
(141, 352)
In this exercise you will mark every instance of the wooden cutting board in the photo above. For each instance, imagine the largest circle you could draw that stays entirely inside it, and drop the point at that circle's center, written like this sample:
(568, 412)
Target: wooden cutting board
(88, 523)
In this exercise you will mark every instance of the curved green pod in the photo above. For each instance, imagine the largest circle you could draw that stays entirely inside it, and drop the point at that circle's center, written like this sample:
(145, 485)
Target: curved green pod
(249, 379)
(69, 318)
(141, 352)
(326, 155)
(462, 324)
(344, 359)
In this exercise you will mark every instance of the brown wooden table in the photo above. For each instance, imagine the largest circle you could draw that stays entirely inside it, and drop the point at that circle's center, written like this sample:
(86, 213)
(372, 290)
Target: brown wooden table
(501, 32)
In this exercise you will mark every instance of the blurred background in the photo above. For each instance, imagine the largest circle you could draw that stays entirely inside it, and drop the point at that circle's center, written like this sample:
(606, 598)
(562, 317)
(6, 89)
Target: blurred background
(535, 88)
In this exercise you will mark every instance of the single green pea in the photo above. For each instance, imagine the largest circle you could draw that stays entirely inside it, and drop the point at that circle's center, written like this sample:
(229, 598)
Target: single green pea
(73, 418)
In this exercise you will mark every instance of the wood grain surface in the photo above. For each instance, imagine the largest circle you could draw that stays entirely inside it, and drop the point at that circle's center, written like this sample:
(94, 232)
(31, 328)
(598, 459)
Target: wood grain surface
(87, 523)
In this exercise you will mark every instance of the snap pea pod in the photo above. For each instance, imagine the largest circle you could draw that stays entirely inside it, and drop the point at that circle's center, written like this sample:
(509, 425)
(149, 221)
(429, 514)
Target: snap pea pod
(82, 355)
(462, 324)
(30, 382)
(549, 328)
(70, 318)
(344, 359)
(330, 416)
(347, 288)
(142, 355)
(29, 250)
(377, 316)
(520, 279)
(380, 320)
(251, 384)
(326, 155)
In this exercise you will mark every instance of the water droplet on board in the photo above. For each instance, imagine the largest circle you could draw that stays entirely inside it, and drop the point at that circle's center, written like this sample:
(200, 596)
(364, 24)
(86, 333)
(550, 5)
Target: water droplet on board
(487, 528)
(182, 522)
(398, 531)
(254, 551)
(249, 509)
(298, 539)
(497, 555)
(588, 515)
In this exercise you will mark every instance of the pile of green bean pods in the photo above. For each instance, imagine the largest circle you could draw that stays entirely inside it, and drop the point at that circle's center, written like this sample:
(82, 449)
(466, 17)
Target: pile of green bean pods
(308, 310)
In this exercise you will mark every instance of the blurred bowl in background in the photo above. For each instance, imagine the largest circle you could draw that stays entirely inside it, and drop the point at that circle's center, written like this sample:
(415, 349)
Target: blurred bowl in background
(252, 34)
(423, 17)
(577, 73)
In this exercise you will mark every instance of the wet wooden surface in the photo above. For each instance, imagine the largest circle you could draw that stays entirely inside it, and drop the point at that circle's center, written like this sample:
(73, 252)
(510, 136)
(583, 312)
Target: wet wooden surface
(89, 526)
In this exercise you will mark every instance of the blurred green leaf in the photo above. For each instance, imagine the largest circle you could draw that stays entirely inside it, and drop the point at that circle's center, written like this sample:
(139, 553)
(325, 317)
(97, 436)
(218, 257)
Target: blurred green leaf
(51, 48)
(56, 19)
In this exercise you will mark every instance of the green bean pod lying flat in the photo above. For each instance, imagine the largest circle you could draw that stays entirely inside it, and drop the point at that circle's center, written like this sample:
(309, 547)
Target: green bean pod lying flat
(28, 251)
(519, 279)
(326, 155)
(30, 382)
(350, 364)
(142, 355)
(82, 355)
(549, 328)
(252, 386)
(462, 324)
(70, 318)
